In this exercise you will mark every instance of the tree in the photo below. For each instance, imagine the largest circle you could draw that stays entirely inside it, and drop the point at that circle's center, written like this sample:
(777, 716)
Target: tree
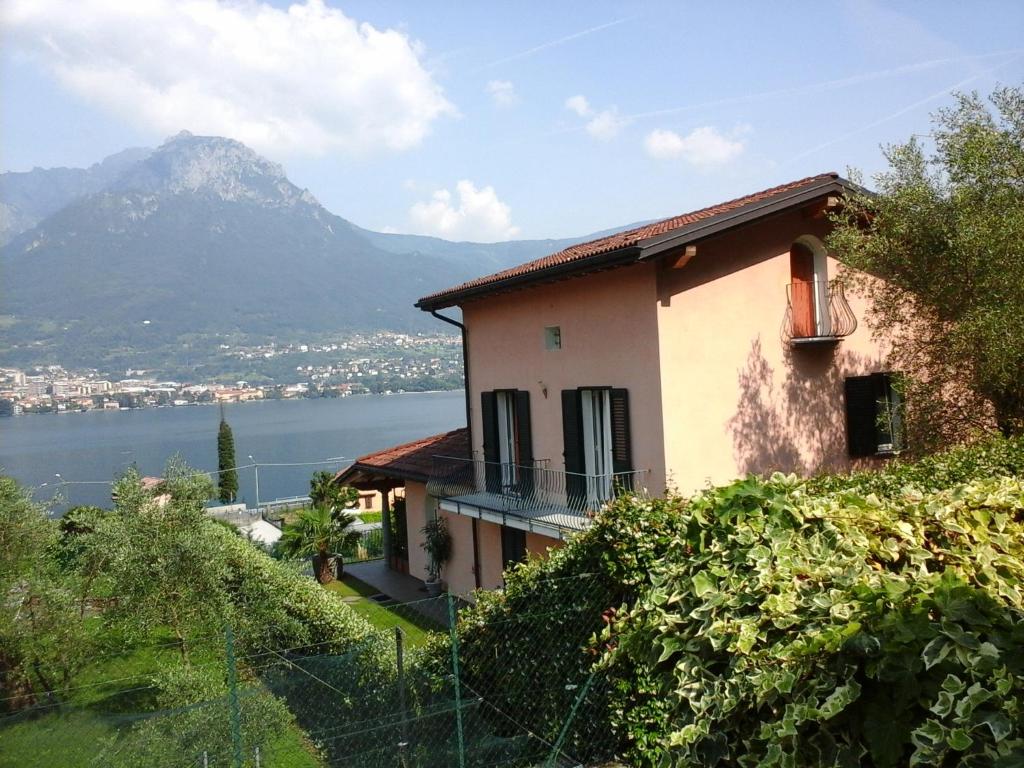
(319, 534)
(327, 494)
(163, 565)
(945, 235)
(227, 474)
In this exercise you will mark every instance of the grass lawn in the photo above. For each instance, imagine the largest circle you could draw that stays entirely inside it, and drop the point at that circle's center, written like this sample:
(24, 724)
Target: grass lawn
(370, 517)
(109, 696)
(416, 626)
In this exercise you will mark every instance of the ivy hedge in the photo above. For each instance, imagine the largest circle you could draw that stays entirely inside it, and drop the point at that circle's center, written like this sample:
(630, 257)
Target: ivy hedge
(859, 619)
(791, 629)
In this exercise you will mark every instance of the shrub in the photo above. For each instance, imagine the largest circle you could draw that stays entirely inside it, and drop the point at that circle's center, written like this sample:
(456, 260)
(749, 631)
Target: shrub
(993, 456)
(784, 628)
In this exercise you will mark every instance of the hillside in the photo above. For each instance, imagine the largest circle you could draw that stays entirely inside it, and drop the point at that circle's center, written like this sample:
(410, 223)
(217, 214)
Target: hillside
(174, 250)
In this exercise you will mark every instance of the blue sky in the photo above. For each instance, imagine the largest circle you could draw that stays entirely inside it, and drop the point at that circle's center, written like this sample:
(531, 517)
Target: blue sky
(496, 120)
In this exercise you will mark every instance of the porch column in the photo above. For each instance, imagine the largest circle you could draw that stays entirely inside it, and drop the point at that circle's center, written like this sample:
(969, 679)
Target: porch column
(385, 521)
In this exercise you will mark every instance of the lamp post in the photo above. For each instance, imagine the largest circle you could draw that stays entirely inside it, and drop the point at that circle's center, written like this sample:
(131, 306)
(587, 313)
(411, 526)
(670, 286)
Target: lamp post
(257, 468)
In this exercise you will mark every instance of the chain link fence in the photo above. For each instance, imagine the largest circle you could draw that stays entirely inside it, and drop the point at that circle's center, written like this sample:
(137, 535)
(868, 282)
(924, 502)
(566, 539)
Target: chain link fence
(507, 682)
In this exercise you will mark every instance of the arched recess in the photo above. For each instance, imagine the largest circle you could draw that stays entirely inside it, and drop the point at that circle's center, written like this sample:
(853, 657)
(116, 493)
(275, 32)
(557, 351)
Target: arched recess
(809, 293)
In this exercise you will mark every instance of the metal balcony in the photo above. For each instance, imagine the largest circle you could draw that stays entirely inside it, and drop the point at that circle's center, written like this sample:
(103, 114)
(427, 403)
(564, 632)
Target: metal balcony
(532, 498)
(817, 312)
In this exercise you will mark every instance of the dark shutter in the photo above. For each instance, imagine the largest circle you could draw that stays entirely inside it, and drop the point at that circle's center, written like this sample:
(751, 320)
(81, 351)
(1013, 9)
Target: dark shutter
(524, 445)
(525, 437)
(862, 415)
(489, 422)
(622, 448)
(572, 436)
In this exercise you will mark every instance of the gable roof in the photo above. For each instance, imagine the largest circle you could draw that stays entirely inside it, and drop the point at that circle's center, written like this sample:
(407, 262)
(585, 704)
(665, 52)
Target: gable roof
(408, 461)
(643, 242)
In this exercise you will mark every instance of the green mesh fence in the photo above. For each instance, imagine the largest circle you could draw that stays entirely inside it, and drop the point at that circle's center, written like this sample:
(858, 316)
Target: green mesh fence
(514, 685)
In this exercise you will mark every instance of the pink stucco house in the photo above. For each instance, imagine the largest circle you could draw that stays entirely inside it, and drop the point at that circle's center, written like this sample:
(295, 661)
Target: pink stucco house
(691, 350)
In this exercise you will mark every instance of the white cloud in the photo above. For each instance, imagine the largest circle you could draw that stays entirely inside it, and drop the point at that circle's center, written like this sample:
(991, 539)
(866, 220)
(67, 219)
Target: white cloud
(604, 125)
(306, 79)
(479, 215)
(579, 105)
(607, 124)
(701, 146)
(503, 92)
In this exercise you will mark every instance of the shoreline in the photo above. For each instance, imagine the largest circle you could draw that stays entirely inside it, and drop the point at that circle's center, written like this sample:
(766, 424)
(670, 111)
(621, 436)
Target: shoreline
(237, 402)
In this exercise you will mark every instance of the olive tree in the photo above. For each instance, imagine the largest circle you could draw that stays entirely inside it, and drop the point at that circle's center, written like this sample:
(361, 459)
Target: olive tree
(945, 235)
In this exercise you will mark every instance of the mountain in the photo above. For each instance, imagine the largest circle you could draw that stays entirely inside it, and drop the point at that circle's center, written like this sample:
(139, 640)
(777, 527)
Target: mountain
(172, 251)
(29, 197)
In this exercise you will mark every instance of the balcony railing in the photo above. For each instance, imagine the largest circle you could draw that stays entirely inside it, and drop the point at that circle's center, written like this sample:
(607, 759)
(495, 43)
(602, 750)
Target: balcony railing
(532, 494)
(817, 311)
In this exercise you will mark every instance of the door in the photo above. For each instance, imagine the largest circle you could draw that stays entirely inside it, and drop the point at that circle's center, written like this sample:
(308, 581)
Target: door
(802, 291)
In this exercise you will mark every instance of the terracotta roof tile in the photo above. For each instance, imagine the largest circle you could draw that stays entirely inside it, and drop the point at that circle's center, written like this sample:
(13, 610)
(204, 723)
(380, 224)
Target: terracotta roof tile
(411, 461)
(629, 238)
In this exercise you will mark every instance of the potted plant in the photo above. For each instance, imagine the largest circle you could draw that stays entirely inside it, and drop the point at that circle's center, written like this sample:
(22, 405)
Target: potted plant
(437, 543)
(318, 534)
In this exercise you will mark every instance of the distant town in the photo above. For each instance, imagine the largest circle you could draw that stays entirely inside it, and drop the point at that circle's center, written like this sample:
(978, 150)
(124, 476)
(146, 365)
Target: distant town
(371, 363)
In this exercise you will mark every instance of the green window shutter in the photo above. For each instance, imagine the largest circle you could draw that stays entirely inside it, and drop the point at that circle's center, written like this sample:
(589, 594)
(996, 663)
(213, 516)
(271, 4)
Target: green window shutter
(572, 437)
(622, 447)
(862, 415)
(523, 433)
(489, 424)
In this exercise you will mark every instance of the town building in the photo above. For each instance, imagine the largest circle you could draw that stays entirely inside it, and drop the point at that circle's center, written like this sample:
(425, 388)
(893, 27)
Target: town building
(687, 351)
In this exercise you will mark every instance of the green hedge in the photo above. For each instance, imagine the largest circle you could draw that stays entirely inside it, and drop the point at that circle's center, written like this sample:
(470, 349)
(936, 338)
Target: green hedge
(993, 456)
(919, 555)
(278, 606)
(785, 628)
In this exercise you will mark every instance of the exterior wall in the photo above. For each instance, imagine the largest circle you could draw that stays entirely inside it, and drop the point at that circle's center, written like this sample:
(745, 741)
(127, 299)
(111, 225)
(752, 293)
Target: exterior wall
(541, 545)
(415, 518)
(458, 573)
(736, 398)
(609, 328)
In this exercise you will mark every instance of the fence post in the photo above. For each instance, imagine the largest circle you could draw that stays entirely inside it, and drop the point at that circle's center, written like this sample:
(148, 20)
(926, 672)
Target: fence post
(236, 713)
(455, 670)
(404, 743)
(568, 721)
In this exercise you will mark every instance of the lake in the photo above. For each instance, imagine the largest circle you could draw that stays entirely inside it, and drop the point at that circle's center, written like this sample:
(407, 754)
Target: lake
(89, 449)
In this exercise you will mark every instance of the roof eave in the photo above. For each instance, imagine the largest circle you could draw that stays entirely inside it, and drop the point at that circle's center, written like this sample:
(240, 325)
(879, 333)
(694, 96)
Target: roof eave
(649, 248)
(655, 246)
(606, 260)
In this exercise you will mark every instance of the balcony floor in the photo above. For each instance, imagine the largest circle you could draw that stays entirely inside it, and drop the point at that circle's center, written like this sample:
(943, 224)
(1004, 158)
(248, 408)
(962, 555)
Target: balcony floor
(556, 521)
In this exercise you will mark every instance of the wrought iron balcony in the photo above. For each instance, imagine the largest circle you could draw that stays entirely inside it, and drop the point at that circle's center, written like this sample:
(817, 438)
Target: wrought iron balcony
(532, 498)
(817, 312)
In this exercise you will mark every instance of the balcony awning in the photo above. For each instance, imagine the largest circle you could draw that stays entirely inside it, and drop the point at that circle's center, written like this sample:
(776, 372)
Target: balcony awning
(554, 522)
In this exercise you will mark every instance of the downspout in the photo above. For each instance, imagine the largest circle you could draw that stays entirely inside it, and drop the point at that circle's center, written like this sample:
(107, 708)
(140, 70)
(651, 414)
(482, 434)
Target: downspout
(469, 428)
(465, 367)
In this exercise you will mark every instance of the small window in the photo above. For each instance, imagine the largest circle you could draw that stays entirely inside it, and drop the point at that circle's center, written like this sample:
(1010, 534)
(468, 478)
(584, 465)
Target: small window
(553, 337)
(874, 415)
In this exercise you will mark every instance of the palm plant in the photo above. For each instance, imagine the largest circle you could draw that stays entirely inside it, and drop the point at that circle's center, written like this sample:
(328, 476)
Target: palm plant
(318, 534)
(325, 492)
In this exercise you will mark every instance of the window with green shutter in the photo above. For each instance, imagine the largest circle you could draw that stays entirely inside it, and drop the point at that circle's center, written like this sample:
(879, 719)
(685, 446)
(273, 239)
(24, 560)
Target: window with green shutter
(874, 415)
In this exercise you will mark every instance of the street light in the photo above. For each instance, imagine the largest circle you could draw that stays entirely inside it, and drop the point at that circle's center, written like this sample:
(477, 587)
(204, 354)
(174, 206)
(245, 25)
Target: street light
(257, 468)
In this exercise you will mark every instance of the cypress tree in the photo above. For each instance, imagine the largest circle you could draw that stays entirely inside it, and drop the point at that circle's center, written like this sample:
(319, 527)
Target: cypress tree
(227, 482)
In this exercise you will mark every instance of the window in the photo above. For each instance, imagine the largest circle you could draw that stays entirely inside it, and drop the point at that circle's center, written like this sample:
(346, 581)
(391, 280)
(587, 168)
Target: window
(553, 337)
(595, 430)
(508, 448)
(874, 415)
(513, 546)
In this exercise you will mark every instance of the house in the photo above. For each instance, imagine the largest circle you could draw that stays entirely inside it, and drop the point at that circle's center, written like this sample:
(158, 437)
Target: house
(683, 352)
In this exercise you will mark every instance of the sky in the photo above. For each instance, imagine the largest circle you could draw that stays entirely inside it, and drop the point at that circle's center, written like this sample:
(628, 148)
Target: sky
(496, 121)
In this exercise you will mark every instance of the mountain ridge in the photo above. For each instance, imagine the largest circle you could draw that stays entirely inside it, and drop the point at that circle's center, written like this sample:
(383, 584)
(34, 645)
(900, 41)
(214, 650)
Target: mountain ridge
(203, 239)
